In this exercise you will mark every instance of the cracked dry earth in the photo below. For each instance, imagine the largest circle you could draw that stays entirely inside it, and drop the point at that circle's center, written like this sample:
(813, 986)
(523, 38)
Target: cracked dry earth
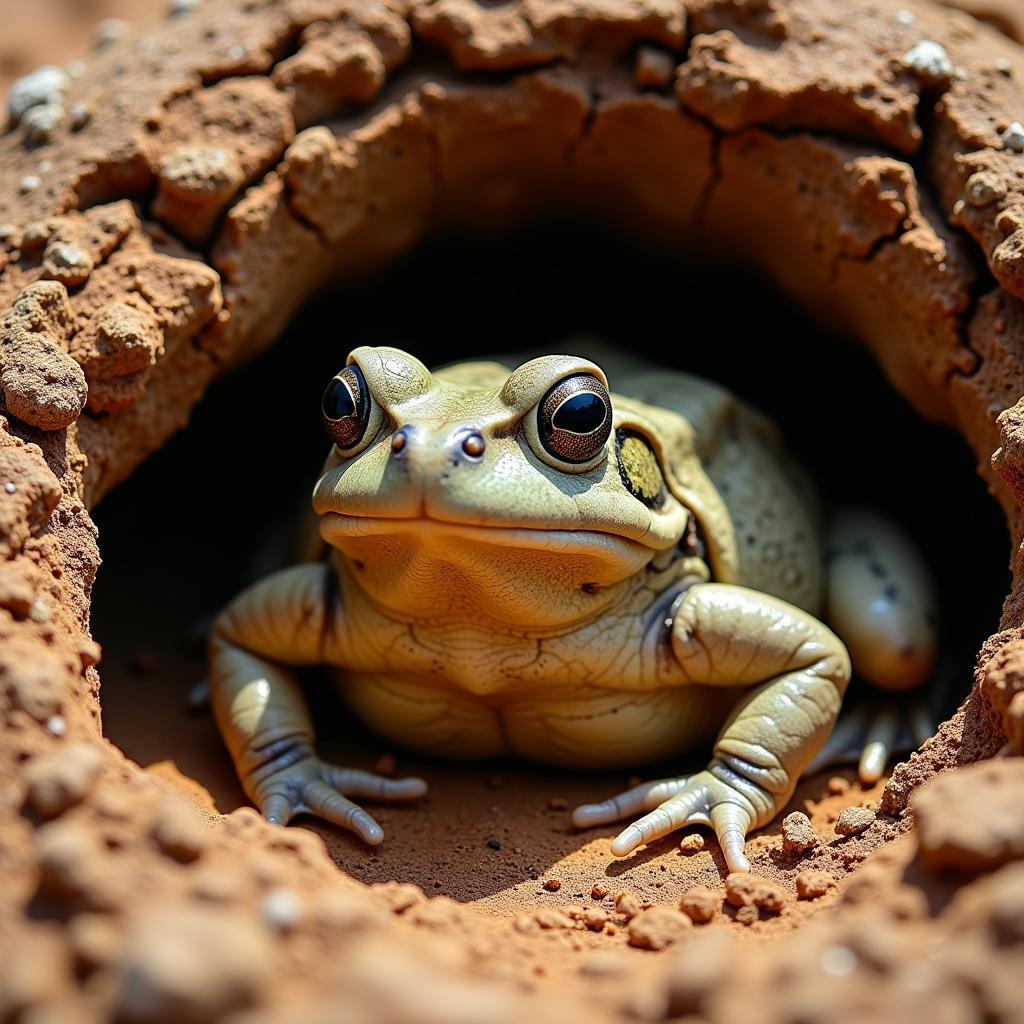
(165, 213)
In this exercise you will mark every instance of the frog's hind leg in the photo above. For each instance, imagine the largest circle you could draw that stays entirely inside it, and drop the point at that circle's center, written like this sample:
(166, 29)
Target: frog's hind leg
(880, 600)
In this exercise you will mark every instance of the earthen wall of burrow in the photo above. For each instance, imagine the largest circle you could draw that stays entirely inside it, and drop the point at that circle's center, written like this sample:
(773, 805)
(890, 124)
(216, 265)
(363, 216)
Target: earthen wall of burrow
(154, 235)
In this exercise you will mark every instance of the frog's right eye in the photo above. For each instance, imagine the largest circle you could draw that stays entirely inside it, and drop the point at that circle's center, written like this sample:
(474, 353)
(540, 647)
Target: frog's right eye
(350, 414)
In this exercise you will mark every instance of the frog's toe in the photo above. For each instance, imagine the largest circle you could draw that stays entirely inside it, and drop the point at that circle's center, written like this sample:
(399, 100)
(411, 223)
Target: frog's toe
(871, 736)
(632, 801)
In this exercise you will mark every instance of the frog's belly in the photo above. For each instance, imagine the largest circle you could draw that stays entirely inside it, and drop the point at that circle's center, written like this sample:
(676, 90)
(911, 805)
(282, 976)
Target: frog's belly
(584, 727)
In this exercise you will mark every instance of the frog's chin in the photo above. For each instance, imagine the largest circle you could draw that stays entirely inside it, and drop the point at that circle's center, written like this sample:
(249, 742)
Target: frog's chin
(519, 577)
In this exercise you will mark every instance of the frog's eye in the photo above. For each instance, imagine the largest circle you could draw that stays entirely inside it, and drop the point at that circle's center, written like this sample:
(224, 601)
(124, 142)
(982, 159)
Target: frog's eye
(349, 410)
(574, 419)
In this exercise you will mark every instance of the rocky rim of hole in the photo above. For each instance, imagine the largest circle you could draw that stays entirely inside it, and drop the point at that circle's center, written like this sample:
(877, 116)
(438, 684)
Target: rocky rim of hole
(166, 207)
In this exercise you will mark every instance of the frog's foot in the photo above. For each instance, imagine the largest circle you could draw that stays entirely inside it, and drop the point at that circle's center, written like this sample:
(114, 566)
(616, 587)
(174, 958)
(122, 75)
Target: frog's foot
(869, 736)
(701, 799)
(312, 786)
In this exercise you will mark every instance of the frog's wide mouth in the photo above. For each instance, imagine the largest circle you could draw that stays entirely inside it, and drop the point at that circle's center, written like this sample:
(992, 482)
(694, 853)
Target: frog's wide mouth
(337, 527)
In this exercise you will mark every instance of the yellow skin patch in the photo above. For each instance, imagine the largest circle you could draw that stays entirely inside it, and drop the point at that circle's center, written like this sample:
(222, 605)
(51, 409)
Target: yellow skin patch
(495, 586)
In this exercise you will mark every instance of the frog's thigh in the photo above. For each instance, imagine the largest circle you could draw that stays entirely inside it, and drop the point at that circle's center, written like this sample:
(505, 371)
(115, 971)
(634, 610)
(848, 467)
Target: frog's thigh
(426, 717)
(615, 728)
(881, 600)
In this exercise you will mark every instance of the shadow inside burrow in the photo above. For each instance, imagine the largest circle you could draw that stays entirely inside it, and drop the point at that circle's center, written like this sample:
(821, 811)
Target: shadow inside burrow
(180, 538)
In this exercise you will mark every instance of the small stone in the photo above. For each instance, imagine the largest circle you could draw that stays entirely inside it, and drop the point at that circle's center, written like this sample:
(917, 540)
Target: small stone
(552, 920)
(742, 890)
(179, 7)
(81, 115)
(595, 918)
(558, 803)
(929, 58)
(699, 904)
(385, 765)
(693, 843)
(811, 884)
(41, 122)
(493, 842)
(627, 905)
(837, 785)
(56, 725)
(748, 915)
(44, 85)
(798, 835)
(196, 965)
(67, 264)
(599, 891)
(552, 885)
(905, 18)
(62, 778)
(854, 820)
(1004, 67)
(658, 928)
(1013, 137)
(281, 910)
(653, 69)
(179, 831)
(29, 183)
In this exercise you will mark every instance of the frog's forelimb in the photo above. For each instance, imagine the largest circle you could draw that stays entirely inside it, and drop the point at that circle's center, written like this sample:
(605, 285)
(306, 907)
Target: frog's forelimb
(797, 670)
(262, 713)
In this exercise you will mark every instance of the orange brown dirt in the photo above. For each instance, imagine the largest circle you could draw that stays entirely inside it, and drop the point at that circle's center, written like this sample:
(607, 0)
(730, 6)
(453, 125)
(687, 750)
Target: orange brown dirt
(166, 211)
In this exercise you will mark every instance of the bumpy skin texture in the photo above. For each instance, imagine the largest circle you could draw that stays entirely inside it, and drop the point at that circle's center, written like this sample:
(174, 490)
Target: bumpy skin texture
(495, 598)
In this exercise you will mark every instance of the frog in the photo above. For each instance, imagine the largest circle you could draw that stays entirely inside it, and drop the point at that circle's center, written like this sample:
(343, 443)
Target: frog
(554, 559)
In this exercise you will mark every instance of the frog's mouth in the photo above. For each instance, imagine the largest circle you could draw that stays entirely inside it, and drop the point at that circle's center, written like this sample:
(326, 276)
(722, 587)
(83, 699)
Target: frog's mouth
(523, 577)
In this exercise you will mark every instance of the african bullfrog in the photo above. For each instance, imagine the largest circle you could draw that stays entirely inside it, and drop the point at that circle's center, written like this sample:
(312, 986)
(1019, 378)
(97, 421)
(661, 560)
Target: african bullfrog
(527, 562)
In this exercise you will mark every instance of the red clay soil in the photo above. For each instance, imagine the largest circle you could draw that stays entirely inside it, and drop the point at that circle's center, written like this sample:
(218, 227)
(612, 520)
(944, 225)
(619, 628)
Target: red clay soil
(162, 216)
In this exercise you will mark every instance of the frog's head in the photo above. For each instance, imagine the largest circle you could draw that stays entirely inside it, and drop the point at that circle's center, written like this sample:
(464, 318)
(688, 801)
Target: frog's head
(527, 498)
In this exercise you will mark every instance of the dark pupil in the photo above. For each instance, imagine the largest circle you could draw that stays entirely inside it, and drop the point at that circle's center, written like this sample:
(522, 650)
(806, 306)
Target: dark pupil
(581, 414)
(338, 400)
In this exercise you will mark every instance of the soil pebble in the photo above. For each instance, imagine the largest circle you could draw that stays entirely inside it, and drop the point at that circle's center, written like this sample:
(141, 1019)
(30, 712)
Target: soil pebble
(595, 918)
(748, 915)
(552, 920)
(599, 891)
(798, 835)
(627, 905)
(854, 820)
(385, 765)
(745, 890)
(700, 904)
(657, 928)
(62, 778)
(558, 803)
(811, 884)
(692, 843)
(552, 885)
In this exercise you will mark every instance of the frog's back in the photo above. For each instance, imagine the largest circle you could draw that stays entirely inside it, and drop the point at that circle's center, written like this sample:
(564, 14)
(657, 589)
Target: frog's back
(772, 505)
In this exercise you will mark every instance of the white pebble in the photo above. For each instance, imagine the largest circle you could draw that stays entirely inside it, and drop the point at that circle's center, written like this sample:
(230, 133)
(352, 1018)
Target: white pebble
(905, 18)
(179, 7)
(44, 85)
(281, 910)
(10, 488)
(929, 58)
(29, 183)
(838, 961)
(1004, 67)
(56, 725)
(41, 121)
(1013, 137)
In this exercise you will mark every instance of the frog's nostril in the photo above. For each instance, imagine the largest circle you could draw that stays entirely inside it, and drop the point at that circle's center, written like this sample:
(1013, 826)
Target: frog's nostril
(473, 445)
(398, 440)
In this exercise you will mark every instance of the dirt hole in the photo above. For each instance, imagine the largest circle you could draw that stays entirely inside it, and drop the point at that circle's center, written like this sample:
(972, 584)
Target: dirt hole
(218, 507)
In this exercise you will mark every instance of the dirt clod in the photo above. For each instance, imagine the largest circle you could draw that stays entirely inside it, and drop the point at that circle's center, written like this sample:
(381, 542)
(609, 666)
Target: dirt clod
(179, 831)
(700, 904)
(552, 885)
(798, 835)
(854, 820)
(812, 884)
(744, 890)
(692, 843)
(627, 904)
(748, 915)
(657, 928)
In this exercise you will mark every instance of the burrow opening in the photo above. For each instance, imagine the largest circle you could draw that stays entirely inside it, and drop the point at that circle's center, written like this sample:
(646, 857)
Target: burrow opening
(221, 504)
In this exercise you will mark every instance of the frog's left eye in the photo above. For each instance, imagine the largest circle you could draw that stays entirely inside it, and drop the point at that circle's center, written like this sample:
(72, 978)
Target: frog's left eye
(350, 414)
(574, 419)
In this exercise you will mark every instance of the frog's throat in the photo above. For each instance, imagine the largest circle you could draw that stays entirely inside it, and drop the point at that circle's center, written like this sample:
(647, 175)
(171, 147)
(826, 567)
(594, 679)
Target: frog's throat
(523, 577)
